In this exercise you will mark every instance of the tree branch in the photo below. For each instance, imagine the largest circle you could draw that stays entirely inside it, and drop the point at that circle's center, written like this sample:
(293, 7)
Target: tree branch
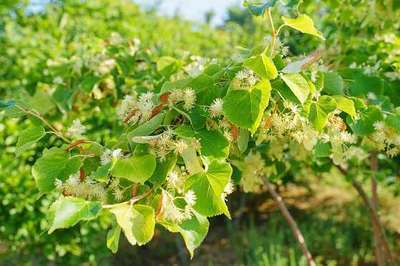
(292, 223)
(377, 227)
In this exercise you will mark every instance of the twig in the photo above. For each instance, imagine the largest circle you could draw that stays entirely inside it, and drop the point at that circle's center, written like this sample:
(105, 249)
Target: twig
(379, 252)
(41, 118)
(75, 144)
(292, 223)
(131, 201)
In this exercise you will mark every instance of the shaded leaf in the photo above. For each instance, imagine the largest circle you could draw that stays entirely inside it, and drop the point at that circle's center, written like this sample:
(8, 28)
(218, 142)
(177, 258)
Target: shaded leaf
(213, 143)
(258, 9)
(28, 137)
(193, 231)
(298, 85)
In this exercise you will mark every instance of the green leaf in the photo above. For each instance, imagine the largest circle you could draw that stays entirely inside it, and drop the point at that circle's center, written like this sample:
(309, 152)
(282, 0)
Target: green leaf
(327, 103)
(148, 127)
(302, 64)
(243, 139)
(206, 89)
(198, 117)
(346, 105)
(213, 143)
(55, 163)
(63, 96)
(362, 84)
(262, 65)
(209, 186)
(393, 121)
(193, 231)
(322, 150)
(137, 222)
(333, 83)
(7, 104)
(113, 238)
(136, 169)
(28, 137)
(320, 110)
(163, 168)
(68, 211)
(298, 85)
(185, 131)
(304, 24)
(191, 160)
(102, 172)
(258, 9)
(365, 125)
(359, 104)
(167, 65)
(245, 108)
(41, 102)
(88, 82)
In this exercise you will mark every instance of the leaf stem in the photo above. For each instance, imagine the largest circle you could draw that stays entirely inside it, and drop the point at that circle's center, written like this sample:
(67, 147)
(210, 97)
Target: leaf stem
(273, 33)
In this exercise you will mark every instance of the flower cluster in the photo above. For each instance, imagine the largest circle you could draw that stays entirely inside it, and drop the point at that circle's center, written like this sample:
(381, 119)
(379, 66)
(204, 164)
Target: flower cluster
(228, 189)
(196, 67)
(110, 155)
(176, 179)
(170, 211)
(385, 139)
(76, 130)
(101, 64)
(216, 108)
(246, 78)
(187, 96)
(280, 126)
(84, 188)
(252, 173)
(135, 109)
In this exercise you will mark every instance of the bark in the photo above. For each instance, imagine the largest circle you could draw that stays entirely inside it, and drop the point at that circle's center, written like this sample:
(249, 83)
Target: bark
(377, 227)
(292, 223)
(379, 252)
(383, 253)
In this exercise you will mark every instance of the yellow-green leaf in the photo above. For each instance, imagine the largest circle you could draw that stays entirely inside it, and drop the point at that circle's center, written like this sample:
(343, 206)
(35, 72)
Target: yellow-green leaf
(68, 211)
(137, 222)
(303, 23)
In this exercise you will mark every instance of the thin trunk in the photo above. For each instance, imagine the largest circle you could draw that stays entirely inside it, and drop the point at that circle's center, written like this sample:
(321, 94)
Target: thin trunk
(374, 183)
(378, 231)
(292, 223)
(378, 245)
(382, 248)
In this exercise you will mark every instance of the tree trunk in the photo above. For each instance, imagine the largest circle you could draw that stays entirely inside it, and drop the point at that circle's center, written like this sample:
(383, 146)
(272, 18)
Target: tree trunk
(382, 251)
(292, 223)
(379, 252)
